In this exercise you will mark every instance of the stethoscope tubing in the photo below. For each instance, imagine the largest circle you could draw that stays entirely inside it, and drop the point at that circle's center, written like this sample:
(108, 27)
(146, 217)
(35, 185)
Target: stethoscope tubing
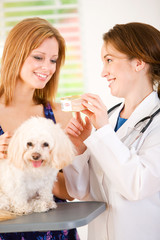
(151, 117)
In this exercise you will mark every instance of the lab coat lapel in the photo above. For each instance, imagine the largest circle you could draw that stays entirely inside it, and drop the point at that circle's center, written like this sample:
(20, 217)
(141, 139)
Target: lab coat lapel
(145, 108)
(113, 116)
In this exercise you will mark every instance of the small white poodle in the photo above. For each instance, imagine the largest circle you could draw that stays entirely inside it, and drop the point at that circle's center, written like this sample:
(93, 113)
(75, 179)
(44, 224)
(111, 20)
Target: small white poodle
(37, 151)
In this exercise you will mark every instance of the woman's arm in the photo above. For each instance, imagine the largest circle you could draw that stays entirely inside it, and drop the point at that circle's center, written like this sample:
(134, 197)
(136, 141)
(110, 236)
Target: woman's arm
(59, 189)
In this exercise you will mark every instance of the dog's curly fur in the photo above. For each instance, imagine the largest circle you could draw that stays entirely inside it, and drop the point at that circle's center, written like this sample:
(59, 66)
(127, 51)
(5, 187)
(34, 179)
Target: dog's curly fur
(37, 151)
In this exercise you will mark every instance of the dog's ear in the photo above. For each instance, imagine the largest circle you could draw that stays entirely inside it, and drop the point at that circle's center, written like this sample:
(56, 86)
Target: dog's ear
(63, 151)
(16, 149)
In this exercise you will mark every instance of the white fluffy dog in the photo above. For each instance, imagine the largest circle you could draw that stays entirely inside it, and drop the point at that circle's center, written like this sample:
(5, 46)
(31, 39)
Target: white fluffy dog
(37, 151)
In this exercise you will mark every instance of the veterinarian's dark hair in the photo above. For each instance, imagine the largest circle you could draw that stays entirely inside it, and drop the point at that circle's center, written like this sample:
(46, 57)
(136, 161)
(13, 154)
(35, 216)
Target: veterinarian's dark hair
(22, 39)
(138, 40)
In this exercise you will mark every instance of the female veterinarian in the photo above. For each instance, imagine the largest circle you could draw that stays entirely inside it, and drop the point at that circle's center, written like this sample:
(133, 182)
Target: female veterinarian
(33, 54)
(120, 162)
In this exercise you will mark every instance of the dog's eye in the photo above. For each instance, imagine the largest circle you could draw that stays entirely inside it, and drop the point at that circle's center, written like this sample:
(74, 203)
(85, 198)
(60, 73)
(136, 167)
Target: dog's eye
(45, 144)
(29, 144)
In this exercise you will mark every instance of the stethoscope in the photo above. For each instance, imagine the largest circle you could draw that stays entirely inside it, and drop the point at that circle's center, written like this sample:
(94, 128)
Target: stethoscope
(150, 118)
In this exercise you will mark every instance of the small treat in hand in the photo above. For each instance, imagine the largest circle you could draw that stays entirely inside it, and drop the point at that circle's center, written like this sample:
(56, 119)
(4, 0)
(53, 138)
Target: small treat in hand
(72, 103)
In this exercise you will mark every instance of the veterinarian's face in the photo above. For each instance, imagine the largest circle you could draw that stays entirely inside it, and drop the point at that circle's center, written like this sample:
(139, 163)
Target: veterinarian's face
(40, 65)
(119, 71)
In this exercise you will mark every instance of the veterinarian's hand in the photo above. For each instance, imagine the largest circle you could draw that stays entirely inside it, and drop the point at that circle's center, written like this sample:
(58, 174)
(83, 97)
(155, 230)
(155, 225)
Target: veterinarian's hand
(79, 130)
(96, 109)
(4, 141)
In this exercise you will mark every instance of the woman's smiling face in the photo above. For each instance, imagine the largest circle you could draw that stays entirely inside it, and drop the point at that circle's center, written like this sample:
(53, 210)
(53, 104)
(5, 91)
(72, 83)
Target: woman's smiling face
(118, 70)
(40, 65)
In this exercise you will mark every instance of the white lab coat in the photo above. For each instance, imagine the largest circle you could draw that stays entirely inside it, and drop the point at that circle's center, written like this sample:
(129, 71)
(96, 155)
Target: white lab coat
(123, 174)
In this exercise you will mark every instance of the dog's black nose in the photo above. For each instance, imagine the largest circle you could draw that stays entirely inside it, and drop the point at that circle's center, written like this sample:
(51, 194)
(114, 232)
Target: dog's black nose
(36, 156)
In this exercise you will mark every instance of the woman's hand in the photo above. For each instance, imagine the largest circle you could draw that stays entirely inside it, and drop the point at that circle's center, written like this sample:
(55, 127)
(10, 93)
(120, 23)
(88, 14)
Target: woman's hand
(4, 141)
(78, 130)
(96, 110)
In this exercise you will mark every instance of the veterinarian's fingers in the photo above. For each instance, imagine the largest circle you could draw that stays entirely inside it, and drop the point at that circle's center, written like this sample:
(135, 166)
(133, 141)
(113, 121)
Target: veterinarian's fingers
(73, 130)
(77, 124)
(78, 117)
(73, 133)
(74, 125)
(88, 123)
(69, 131)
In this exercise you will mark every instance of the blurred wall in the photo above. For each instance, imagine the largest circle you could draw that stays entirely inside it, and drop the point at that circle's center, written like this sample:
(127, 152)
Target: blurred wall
(97, 17)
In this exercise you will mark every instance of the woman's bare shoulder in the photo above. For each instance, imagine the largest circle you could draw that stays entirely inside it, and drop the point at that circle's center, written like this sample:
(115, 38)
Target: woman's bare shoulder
(61, 117)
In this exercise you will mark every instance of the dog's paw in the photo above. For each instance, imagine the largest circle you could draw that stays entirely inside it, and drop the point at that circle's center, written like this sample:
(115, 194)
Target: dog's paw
(43, 206)
(52, 205)
(5, 206)
(4, 202)
(22, 210)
